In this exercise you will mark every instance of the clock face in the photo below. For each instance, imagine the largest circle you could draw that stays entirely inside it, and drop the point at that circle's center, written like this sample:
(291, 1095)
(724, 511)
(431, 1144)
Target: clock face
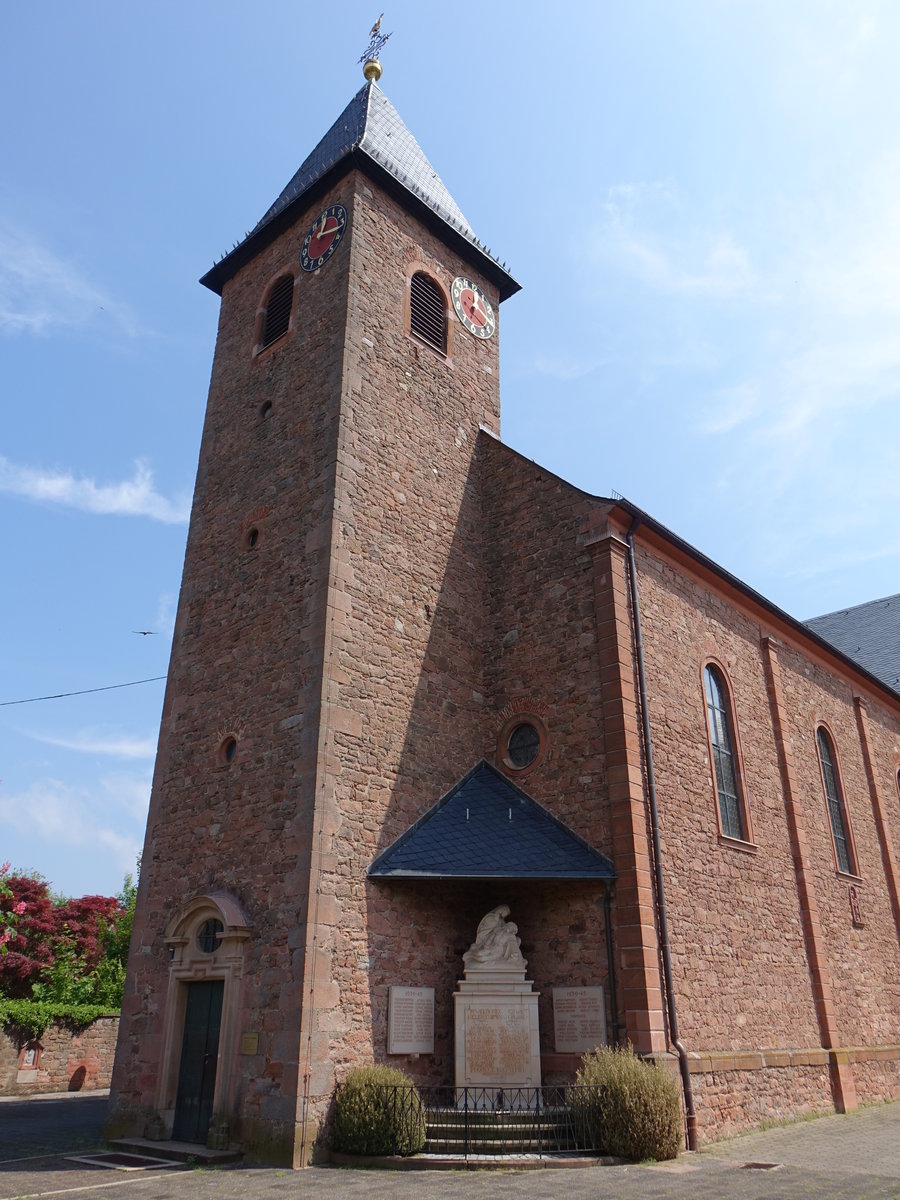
(323, 238)
(473, 308)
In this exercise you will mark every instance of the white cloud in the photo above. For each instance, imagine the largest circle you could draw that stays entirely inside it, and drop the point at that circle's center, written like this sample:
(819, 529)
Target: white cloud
(699, 263)
(566, 370)
(86, 742)
(135, 497)
(40, 291)
(108, 821)
(732, 407)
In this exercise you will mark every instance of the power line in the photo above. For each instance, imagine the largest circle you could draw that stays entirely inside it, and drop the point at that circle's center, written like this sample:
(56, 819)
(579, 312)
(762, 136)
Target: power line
(84, 692)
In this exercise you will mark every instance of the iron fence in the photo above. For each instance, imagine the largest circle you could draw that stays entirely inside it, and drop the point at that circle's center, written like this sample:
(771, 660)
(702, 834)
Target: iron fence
(482, 1121)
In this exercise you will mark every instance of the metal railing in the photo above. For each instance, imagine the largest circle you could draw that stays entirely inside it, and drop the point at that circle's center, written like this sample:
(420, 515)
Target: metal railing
(481, 1121)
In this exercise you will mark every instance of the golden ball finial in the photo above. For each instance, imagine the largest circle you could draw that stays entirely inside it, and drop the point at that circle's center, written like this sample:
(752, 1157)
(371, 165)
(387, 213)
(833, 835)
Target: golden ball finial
(372, 70)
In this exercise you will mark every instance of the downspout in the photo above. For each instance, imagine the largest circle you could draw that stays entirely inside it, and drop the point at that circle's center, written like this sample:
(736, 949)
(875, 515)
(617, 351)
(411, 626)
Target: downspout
(688, 1090)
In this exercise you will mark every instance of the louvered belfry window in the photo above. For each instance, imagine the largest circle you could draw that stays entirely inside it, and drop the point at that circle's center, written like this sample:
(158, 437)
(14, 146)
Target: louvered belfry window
(278, 310)
(428, 312)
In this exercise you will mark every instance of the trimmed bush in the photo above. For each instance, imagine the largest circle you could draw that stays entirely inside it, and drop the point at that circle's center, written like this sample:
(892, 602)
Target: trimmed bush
(378, 1111)
(628, 1107)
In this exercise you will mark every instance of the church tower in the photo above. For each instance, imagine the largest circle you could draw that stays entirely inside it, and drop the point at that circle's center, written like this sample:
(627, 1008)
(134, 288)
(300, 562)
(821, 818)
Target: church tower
(326, 679)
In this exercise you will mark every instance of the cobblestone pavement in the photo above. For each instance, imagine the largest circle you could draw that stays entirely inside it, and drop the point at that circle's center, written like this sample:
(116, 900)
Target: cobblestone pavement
(855, 1157)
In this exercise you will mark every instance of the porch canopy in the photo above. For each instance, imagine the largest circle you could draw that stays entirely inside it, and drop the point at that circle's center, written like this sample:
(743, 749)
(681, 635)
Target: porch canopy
(487, 828)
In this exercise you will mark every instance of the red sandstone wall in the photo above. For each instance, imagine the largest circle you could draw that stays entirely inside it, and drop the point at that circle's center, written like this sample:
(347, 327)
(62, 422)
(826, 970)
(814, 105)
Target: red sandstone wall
(739, 958)
(404, 687)
(737, 943)
(541, 653)
(864, 962)
(246, 660)
(68, 1060)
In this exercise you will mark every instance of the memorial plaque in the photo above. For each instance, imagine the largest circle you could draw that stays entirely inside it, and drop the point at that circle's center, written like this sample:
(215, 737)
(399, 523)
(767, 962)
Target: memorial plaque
(249, 1043)
(498, 1044)
(411, 1021)
(579, 1019)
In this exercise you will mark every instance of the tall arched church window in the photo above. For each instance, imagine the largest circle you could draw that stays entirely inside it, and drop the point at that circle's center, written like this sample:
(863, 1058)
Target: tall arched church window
(724, 762)
(837, 810)
(278, 310)
(428, 311)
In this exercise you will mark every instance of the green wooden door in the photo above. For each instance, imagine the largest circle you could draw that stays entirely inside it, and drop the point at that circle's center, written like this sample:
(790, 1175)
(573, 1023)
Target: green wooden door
(197, 1073)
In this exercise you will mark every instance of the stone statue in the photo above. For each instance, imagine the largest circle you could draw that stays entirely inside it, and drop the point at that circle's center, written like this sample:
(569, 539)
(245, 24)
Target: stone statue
(496, 944)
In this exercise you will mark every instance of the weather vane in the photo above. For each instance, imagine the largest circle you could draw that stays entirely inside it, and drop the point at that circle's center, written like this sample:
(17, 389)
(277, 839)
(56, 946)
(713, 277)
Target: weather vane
(372, 68)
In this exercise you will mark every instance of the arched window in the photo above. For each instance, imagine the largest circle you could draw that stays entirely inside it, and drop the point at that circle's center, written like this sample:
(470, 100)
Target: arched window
(834, 795)
(278, 310)
(722, 746)
(428, 311)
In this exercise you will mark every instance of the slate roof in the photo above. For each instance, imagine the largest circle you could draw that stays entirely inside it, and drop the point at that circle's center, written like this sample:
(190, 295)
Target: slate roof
(867, 633)
(370, 134)
(487, 828)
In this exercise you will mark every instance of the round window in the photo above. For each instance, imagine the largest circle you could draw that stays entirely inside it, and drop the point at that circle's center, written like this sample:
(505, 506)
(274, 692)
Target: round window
(210, 935)
(523, 746)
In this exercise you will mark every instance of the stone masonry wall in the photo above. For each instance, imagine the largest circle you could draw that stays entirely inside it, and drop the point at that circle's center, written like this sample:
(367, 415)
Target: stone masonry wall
(738, 953)
(864, 959)
(541, 656)
(403, 689)
(246, 662)
(731, 1102)
(742, 977)
(65, 1060)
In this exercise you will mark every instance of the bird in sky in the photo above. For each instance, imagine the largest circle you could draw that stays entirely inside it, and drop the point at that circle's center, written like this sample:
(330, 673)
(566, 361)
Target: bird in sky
(375, 27)
(145, 632)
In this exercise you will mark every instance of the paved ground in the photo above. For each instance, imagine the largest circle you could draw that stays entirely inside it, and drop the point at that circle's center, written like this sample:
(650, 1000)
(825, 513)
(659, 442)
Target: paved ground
(854, 1157)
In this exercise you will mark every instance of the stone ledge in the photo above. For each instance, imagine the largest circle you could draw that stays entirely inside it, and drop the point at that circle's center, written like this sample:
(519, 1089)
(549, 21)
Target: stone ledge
(704, 1062)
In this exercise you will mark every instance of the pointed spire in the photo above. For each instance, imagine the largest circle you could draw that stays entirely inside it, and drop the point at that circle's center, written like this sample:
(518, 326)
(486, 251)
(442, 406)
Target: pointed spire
(370, 134)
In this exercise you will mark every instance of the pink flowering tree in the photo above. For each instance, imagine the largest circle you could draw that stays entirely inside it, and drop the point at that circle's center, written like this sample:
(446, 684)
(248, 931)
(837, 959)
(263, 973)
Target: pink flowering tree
(10, 909)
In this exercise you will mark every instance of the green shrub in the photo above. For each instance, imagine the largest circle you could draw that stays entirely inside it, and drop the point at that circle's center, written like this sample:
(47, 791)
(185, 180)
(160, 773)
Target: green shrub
(378, 1111)
(628, 1107)
(30, 1018)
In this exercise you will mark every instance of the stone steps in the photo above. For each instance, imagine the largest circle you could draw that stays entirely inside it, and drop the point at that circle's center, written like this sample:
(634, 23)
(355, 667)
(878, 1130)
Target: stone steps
(452, 1131)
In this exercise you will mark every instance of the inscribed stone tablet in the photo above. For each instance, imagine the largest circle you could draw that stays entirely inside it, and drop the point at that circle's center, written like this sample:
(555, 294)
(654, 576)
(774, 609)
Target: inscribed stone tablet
(498, 1044)
(411, 1021)
(579, 1019)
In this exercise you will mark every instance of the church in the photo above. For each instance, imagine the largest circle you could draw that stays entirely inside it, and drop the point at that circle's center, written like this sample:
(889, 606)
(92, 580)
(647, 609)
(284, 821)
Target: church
(420, 685)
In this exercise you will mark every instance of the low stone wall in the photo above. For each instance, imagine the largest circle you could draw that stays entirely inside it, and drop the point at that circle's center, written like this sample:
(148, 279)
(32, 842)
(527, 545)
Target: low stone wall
(60, 1060)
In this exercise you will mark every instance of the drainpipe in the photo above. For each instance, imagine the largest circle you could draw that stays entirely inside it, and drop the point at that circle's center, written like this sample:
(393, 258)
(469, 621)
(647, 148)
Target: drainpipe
(657, 851)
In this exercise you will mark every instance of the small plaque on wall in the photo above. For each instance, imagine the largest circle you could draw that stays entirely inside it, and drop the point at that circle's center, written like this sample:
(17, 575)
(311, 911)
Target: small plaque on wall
(250, 1043)
(411, 1021)
(579, 1019)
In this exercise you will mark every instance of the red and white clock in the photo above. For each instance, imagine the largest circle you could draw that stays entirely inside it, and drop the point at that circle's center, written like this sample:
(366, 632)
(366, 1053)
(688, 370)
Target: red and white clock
(324, 237)
(473, 308)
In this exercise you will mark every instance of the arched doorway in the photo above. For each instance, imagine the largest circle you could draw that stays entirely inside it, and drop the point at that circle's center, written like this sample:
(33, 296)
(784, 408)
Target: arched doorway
(206, 942)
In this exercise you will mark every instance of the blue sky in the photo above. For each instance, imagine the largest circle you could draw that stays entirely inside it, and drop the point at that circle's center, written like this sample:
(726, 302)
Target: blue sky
(701, 201)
